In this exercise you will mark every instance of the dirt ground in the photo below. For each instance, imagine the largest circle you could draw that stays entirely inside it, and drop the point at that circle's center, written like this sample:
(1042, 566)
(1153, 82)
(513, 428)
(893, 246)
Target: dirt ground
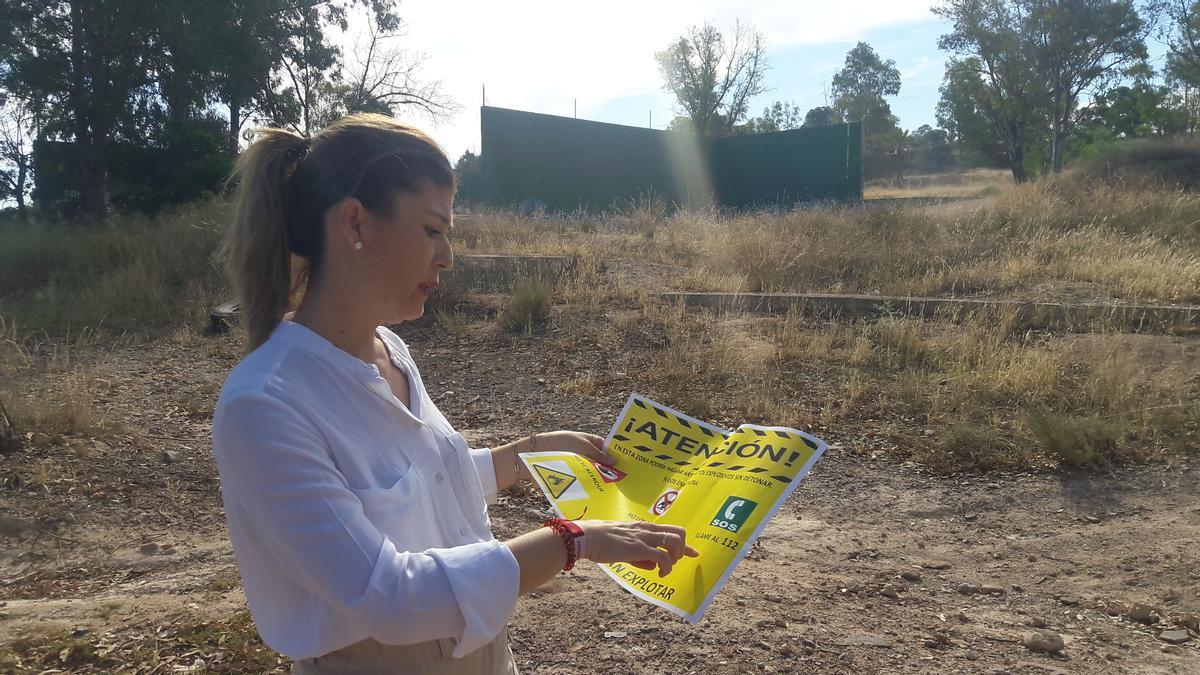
(873, 566)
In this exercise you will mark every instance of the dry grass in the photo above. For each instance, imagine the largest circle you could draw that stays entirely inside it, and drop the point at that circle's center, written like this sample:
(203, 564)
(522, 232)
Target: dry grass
(979, 393)
(66, 408)
(971, 184)
(528, 306)
(128, 275)
(974, 396)
(1089, 242)
(1106, 242)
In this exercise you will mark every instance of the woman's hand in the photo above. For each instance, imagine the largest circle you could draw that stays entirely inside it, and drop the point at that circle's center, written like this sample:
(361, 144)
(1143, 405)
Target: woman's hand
(644, 545)
(590, 446)
(510, 469)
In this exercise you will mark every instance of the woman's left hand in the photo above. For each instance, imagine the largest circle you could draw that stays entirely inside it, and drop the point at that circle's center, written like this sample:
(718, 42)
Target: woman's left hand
(586, 445)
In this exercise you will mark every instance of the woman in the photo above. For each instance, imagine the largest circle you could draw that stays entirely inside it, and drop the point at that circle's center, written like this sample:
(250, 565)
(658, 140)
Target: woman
(357, 513)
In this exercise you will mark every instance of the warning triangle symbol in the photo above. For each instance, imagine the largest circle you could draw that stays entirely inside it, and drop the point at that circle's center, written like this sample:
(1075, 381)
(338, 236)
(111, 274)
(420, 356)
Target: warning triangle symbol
(556, 481)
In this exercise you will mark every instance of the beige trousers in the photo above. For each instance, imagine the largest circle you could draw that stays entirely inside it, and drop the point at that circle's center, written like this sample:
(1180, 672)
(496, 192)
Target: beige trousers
(423, 658)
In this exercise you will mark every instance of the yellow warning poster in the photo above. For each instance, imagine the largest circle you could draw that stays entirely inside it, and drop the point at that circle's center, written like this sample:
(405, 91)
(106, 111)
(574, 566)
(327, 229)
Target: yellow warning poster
(722, 486)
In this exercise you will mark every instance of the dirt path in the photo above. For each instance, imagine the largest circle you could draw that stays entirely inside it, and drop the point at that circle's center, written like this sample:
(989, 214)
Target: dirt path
(860, 572)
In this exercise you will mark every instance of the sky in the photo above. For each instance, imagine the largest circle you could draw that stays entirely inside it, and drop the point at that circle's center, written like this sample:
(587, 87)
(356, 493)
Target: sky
(551, 56)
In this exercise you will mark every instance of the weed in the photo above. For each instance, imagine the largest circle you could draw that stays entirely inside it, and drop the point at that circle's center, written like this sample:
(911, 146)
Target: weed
(1082, 442)
(528, 306)
(69, 410)
(581, 384)
(453, 323)
(968, 446)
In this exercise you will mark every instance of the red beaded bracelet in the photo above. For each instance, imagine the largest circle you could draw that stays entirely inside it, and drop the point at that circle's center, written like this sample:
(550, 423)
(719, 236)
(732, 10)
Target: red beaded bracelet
(569, 532)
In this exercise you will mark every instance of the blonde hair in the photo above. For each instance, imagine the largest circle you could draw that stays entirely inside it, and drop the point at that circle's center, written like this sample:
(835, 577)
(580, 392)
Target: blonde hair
(287, 182)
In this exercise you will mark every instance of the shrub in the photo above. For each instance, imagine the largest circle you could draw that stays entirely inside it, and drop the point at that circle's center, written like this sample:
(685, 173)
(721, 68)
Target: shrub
(528, 306)
(1081, 442)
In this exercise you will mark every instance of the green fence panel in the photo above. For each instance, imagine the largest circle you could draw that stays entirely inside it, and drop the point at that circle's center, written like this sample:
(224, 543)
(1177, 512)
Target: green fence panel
(564, 163)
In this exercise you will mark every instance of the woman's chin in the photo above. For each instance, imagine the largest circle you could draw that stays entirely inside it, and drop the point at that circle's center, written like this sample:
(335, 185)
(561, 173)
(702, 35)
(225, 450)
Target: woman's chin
(409, 314)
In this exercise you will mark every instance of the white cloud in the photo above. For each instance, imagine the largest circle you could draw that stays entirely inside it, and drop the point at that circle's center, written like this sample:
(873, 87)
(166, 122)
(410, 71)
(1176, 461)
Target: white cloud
(542, 55)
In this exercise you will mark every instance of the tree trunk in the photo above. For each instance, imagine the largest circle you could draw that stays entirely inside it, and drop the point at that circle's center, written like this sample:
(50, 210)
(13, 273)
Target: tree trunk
(179, 108)
(89, 150)
(22, 167)
(1016, 161)
(235, 124)
(1058, 143)
(93, 183)
(1014, 137)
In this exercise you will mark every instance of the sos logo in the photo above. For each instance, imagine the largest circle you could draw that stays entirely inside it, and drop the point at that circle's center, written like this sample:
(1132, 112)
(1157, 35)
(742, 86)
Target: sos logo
(733, 513)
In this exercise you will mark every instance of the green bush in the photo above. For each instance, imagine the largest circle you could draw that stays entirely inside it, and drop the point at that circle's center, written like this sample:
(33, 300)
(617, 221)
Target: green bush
(1174, 162)
(528, 306)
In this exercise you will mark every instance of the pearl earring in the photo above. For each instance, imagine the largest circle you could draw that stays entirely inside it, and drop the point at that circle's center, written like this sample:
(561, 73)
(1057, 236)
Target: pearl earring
(358, 246)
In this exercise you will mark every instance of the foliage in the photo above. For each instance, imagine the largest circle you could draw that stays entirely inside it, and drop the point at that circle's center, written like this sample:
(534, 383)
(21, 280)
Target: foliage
(860, 87)
(859, 91)
(1139, 110)
(714, 77)
(119, 78)
(779, 116)
(80, 64)
(821, 116)
(961, 113)
(1033, 62)
(997, 39)
(468, 161)
(1082, 47)
(1183, 40)
(528, 307)
(1148, 163)
(930, 150)
(16, 125)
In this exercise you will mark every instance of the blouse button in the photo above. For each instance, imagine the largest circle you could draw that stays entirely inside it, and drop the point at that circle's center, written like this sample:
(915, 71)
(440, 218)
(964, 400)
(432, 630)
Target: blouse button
(462, 531)
(439, 478)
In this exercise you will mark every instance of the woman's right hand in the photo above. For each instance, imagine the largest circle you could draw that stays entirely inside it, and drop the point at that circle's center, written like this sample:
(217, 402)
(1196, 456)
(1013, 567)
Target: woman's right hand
(644, 545)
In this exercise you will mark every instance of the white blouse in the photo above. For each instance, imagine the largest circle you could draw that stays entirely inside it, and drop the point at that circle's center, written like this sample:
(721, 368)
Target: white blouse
(351, 515)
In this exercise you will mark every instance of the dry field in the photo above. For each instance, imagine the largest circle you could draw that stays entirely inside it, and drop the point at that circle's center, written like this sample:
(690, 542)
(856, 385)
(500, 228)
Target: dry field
(967, 185)
(982, 480)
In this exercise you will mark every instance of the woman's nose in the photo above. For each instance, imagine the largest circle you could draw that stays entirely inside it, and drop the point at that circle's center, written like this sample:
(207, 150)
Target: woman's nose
(443, 258)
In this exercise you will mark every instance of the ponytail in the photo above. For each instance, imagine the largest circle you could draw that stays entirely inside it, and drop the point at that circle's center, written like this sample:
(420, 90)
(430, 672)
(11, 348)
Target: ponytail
(258, 258)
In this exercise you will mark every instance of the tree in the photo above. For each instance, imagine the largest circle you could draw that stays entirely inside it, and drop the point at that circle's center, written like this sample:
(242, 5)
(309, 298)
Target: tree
(387, 77)
(860, 87)
(779, 116)
(1183, 39)
(859, 92)
(1182, 30)
(821, 116)
(252, 49)
(681, 124)
(468, 161)
(1082, 46)
(1137, 110)
(16, 126)
(961, 113)
(998, 38)
(80, 61)
(712, 78)
(930, 150)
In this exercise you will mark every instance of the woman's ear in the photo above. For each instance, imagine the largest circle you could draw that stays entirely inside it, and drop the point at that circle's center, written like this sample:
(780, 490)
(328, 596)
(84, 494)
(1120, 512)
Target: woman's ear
(348, 223)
